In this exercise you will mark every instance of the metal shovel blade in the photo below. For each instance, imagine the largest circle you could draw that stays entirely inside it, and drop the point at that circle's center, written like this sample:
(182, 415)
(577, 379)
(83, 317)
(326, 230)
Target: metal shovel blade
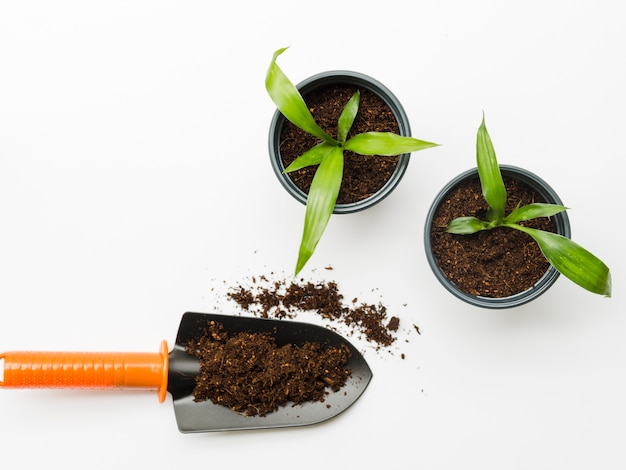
(192, 416)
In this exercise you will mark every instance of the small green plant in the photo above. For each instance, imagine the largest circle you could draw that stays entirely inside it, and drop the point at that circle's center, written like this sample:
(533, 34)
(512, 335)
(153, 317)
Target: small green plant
(567, 257)
(328, 153)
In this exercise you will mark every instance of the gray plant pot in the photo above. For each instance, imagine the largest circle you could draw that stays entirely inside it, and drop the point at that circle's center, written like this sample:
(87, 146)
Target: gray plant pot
(545, 282)
(362, 82)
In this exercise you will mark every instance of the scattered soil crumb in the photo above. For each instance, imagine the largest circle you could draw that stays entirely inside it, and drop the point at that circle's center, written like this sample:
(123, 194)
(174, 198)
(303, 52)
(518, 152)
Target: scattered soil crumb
(284, 299)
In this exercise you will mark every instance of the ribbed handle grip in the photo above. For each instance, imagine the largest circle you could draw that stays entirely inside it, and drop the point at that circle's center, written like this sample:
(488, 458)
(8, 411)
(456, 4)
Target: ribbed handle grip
(100, 370)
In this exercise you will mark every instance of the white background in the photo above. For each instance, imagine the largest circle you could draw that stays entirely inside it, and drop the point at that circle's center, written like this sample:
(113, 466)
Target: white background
(135, 185)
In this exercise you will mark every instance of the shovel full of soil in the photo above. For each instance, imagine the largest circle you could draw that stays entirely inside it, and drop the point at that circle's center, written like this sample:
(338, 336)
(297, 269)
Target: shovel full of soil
(223, 373)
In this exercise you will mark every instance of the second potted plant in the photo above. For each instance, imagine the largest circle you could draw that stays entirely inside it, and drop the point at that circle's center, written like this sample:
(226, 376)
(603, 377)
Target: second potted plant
(498, 236)
(339, 143)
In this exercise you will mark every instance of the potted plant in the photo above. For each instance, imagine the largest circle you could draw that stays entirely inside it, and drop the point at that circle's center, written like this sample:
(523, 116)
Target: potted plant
(334, 146)
(498, 236)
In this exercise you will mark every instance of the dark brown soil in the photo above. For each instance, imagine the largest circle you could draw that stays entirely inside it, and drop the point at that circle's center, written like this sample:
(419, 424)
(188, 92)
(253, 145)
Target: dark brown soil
(495, 263)
(250, 374)
(284, 299)
(363, 175)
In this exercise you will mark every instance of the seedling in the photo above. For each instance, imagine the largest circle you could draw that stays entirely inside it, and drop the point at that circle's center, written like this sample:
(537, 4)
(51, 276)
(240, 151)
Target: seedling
(328, 154)
(566, 256)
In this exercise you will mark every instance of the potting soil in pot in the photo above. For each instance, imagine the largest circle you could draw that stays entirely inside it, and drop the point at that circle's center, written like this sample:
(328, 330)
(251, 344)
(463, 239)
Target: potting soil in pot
(491, 263)
(363, 175)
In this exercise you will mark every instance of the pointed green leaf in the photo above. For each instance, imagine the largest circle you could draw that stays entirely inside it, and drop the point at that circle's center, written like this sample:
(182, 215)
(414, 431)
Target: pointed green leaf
(489, 173)
(532, 211)
(290, 102)
(311, 157)
(572, 260)
(347, 117)
(320, 203)
(385, 144)
(466, 225)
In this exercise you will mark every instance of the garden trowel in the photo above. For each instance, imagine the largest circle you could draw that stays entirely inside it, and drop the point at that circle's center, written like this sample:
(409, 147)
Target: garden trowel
(175, 372)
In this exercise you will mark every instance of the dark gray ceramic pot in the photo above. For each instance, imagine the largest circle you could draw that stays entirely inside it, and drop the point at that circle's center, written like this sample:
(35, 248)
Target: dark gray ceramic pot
(545, 282)
(362, 82)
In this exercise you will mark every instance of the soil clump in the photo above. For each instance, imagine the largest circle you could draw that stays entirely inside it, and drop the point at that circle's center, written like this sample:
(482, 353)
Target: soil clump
(250, 374)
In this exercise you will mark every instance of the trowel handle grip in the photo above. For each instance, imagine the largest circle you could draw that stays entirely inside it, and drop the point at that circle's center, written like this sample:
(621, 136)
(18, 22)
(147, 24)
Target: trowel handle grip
(98, 370)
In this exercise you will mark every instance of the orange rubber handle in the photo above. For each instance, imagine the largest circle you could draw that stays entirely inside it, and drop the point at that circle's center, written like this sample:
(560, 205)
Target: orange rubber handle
(96, 370)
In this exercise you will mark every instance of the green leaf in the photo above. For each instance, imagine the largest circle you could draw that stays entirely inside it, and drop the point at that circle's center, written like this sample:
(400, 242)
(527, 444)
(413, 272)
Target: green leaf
(290, 102)
(313, 156)
(320, 203)
(532, 211)
(385, 143)
(572, 260)
(347, 117)
(489, 173)
(466, 225)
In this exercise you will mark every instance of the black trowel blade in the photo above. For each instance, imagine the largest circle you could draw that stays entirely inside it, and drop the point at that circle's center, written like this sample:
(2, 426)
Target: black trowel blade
(192, 416)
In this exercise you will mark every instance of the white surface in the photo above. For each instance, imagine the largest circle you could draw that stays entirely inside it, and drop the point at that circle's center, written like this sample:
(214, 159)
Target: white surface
(134, 180)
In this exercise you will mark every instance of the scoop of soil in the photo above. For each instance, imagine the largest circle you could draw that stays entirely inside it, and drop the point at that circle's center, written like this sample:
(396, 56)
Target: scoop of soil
(251, 374)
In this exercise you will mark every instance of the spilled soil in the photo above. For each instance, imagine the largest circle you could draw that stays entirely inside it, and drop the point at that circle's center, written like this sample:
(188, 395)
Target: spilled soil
(252, 375)
(285, 299)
